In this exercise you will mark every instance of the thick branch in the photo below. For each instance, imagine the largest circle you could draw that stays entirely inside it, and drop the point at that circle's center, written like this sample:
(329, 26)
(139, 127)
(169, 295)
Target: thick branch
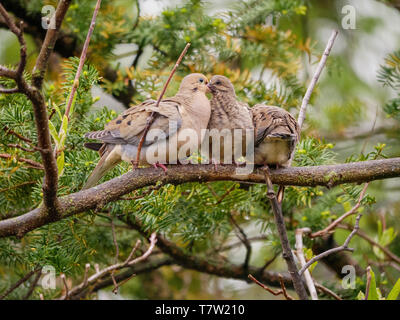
(50, 183)
(113, 189)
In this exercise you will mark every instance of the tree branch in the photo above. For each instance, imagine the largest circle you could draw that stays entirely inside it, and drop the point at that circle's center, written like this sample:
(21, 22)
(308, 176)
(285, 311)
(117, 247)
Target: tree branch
(42, 60)
(50, 183)
(112, 190)
(207, 265)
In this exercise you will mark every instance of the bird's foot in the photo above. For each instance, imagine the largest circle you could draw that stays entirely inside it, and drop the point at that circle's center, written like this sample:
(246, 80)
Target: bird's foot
(215, 163)
(134, 165)
(239, 163)
(160, 165)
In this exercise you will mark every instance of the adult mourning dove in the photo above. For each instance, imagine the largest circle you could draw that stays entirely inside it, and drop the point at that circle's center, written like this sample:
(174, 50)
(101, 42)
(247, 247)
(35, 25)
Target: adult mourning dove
(276, 135)
(177, 130)
(228, 114)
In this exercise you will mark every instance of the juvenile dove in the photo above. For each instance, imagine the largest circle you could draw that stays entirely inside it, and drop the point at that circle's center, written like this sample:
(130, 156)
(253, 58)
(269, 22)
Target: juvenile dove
(180, 121)
(227, 113)
(276, 135)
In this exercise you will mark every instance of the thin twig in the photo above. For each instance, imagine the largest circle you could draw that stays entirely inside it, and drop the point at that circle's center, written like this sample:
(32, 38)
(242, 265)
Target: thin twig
(82, 59)
(325, 290)
(33, 163)
(302, 260)
(314, 80)
(274, 292)
(342, 217)
(151, 118)
(242, 237)
(18, 283)
(8, 91)
(115, 290)
(65, 286)
(33, 285)
(19, 136)
(138, 243)
(18, 185)
(344, 247)
(307, 96)
(286, 250)
(363, 235)
(85, 276)
(108, 270)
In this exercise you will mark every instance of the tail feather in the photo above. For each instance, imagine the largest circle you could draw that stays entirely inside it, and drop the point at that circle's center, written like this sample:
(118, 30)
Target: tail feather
(281, 136)
(105, 164)
(93, 145)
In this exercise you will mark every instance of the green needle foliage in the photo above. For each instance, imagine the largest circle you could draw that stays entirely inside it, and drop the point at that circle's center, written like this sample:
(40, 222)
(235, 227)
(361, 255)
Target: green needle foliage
(236, 42)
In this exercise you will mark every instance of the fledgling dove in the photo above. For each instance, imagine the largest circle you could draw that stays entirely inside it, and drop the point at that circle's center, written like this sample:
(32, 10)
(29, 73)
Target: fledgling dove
(227, 113)
(276, 135)
(179, 124)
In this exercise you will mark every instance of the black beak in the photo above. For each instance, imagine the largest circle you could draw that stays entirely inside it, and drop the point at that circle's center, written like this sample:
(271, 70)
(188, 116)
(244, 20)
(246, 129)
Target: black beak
(211, 87)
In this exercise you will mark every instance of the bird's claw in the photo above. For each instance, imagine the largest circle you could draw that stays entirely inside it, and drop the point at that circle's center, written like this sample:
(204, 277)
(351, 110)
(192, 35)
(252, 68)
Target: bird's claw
(160, 165)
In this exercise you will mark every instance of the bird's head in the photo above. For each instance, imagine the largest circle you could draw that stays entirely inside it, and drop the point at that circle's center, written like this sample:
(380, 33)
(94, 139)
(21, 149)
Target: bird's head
(221, 84)
(194, 82)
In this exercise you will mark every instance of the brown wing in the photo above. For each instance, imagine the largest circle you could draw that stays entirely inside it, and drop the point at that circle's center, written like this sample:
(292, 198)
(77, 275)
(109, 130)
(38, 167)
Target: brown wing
(128, 127)
(274, 121)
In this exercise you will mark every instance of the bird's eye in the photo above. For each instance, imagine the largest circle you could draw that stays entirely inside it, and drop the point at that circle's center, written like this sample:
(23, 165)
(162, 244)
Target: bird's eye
(201, 80)
(218, 82)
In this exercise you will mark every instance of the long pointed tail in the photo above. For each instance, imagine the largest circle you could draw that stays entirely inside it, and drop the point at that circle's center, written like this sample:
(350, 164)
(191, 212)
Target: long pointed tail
(105, 164)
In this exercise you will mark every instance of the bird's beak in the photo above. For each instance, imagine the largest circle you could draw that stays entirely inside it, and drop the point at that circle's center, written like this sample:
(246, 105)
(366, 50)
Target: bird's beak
(210, 87)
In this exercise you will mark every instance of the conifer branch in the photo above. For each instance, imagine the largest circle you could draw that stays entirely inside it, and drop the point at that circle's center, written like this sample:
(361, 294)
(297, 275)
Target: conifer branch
(112, 190)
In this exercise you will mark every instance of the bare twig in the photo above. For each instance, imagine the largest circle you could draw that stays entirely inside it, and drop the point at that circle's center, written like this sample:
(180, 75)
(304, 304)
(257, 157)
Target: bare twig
(110, 269)
(33, 163)
(33, 285)
(363, 235)
(274, 292)
(115, 290)
(286, 250)
(321, 65)
(150, 119)
(18, 185)
(307, 96)
(242, 237)
(327, 291)
(17, 146)
(302, 260)
(19, 136)
(82, 59)
(85, 277)
(8, 91)
(64, 280)
(239, 243)
(344, 216)
(17, 75)
(344, 247)
(18, 283)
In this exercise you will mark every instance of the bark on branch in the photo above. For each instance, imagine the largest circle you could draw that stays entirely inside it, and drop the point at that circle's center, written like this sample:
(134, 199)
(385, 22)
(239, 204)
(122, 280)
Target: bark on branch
(112, 190)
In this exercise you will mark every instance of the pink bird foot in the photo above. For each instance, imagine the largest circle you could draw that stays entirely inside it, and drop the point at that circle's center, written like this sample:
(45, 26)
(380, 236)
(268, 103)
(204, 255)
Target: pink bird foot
(160, 165)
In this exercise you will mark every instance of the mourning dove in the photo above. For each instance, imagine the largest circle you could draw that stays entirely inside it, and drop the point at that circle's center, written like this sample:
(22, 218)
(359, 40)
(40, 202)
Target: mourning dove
(228, 114)
(177, 130)
(276, 135)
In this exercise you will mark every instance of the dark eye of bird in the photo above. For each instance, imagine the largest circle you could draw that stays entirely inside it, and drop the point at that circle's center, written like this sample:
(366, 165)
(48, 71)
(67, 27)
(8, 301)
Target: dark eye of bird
(218, 82)
(201, 80)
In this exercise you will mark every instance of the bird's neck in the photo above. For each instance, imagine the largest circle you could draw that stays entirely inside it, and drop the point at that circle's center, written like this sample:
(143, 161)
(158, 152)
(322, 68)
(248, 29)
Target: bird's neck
(224, 103)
